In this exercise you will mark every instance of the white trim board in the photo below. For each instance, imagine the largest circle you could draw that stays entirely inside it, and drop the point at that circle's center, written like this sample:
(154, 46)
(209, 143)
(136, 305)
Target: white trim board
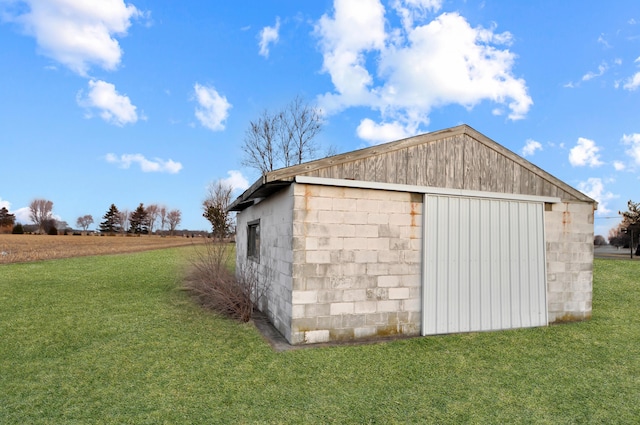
(361, 184)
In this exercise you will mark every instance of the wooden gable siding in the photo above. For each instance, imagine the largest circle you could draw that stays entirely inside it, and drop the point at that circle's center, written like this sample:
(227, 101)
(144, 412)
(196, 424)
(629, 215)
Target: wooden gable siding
(456, 162)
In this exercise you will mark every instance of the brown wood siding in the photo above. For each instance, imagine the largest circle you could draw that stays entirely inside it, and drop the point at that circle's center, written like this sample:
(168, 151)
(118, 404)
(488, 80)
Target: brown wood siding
(457, 160)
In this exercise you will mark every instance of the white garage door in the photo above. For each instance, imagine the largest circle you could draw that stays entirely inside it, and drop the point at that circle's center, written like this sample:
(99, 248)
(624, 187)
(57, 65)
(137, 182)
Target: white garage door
(484, 265)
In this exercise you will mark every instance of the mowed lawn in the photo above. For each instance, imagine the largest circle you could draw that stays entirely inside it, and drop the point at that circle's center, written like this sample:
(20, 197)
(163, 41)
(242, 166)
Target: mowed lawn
(112, 339)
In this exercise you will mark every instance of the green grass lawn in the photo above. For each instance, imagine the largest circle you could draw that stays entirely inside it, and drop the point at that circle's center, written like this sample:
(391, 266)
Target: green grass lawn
(112, 339)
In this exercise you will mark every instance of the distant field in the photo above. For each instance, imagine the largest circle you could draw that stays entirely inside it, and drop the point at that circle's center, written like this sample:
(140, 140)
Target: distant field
(26, 248)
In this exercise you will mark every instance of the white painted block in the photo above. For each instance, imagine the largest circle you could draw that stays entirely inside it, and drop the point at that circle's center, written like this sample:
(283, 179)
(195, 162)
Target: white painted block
(366, 231)
(335, 217)
(398, 293)
(356, 244)
(377, 218)
(318, 257)
(364, 332)
(355, 217)
(389, 257)
(344, 204)
(412, 304)
(388, 306)
(354, 295)
(341, 308)
(304, 297)
(364, 307)
(365, 256)
(367, 205)
(297, 311)
(313, 337)
(388, 281)
(377, 269)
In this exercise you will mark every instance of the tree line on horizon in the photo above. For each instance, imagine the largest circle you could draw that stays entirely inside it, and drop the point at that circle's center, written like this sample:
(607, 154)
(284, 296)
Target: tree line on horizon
(142, 220)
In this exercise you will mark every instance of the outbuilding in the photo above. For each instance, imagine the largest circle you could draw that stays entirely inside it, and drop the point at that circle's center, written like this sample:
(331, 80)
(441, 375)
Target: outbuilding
(440, 233)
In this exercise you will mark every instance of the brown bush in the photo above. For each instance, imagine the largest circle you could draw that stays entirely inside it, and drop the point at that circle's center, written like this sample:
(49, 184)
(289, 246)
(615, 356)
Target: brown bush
(216, 287)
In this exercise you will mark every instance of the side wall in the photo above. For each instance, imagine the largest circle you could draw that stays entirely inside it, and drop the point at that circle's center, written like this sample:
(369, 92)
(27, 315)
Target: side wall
(569, 240)
(356, 271)
(276, 256)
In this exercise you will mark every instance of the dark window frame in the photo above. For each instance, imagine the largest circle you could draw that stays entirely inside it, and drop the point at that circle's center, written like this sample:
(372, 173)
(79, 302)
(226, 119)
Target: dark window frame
(253, 240)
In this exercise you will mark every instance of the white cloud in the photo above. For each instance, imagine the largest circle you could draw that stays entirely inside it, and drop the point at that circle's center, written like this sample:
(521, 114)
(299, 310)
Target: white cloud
(417, 67)
(77, 33)
(633, 140)
(632, 83)
(602, 40)
(212, 110)
(376, 133)
(619, 165)
(268, 36)
(23, 215)
(585, 153)
(355, 29)
(594, 188)
(113, 107)
(591, 75)
(412, 10)
(531, 147)
(236, 180)
(156, 165)
(5, 204)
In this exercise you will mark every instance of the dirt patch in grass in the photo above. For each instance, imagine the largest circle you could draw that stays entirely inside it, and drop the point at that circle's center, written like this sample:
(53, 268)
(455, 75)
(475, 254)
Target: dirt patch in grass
(26, 248)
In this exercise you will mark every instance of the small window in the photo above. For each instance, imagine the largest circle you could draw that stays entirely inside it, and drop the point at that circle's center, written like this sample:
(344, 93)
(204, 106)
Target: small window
(253, 240)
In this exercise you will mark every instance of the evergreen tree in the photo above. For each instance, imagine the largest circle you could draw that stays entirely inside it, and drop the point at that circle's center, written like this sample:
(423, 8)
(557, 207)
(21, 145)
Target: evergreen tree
(139, 221)
(111, 223)
(6, 220)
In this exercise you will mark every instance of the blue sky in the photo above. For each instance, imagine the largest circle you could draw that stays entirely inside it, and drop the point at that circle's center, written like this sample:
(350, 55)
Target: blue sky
(149, 101)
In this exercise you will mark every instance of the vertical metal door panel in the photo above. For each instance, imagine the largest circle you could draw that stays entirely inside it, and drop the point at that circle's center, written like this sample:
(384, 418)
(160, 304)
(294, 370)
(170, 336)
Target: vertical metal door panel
(430, 268)
(442, 307)
(484, 265)
(475, 313)
(485, 270)
(464, 273)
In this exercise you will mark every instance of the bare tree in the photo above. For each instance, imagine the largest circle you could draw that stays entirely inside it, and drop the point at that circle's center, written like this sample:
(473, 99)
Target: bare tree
(260, 143)
(286, 137)
(152, 215)
(40, 212)
(631, 223)
(215, 208)
(302, 124)
(162, 215)
(617, 237)
(123, 217)
(85, 221)
(174, 217)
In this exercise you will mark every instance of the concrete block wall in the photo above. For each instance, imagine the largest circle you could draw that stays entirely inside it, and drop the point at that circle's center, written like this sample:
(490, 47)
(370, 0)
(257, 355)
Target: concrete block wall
(276, 256)
(356, 264)
(569, 240)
